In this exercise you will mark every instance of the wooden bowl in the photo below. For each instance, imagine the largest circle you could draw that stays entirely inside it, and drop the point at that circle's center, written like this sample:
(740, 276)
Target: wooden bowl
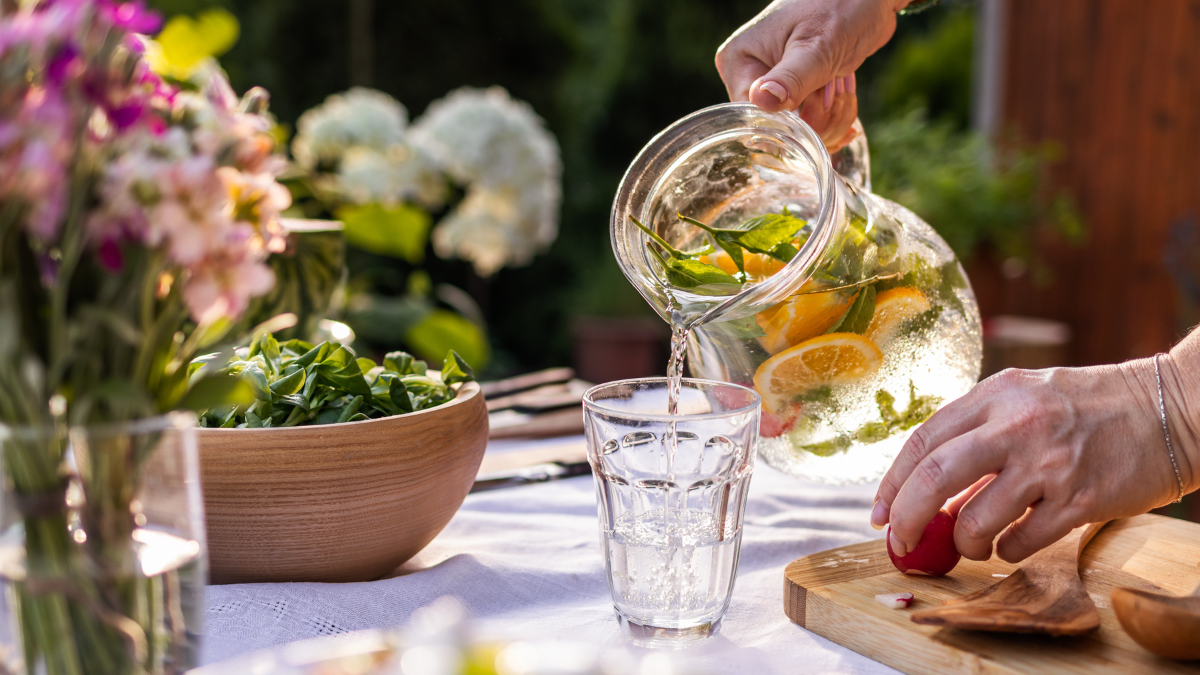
(337, 502)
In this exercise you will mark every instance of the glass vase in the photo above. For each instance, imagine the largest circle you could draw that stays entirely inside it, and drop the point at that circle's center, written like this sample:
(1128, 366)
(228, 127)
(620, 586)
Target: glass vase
(867, 330)
(102, 553)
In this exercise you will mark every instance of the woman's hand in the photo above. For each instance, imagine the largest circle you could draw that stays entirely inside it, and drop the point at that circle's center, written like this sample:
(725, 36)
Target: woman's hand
(794, 48)
(1042, 452)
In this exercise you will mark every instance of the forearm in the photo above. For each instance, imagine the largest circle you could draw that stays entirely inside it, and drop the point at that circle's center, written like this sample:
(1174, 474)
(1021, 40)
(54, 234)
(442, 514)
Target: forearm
(1181, 390)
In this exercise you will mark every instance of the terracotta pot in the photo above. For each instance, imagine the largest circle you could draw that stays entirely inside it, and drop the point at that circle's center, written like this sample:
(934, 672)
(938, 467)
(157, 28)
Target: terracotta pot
(620, 348)
(337, 502)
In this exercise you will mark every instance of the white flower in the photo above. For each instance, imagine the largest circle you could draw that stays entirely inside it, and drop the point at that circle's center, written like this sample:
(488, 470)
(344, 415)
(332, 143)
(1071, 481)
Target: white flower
(359, 117)
(501, 150)
(399, 174)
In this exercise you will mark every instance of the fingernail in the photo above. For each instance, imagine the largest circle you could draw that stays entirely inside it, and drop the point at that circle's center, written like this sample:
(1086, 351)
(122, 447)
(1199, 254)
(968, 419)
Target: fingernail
(851, 84)
(829, 96)
(841, 85)
(775, 89)
(879, 515)
(898, 546)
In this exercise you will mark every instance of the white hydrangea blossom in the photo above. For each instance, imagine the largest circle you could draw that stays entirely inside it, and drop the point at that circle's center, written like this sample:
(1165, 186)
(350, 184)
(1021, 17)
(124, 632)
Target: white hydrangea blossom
(501, 150)
(495, 147)
(360, 117)
(400, 173)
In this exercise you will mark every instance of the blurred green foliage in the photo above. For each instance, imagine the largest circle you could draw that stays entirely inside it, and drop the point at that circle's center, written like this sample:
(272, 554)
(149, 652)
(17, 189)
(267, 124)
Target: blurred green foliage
(978, 194)
(607, 75)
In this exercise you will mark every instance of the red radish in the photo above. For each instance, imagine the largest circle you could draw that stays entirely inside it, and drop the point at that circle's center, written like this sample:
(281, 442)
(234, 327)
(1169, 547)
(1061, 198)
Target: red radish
(895, 600)
(935, 554)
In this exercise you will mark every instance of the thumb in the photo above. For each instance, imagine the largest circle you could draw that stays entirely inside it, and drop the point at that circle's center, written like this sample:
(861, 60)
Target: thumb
(802, 70)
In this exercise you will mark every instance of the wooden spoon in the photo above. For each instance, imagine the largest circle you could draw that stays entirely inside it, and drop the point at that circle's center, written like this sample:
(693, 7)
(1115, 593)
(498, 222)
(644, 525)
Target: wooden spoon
(1166, 625)
(1044, 595)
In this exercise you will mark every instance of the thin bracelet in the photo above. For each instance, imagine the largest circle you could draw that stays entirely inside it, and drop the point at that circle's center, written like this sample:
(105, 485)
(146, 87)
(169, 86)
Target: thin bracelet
(1162, 412)
(917, 6)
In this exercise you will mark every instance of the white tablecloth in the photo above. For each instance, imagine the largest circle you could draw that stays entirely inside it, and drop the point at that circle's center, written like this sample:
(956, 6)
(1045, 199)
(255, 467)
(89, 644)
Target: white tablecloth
(526, 561)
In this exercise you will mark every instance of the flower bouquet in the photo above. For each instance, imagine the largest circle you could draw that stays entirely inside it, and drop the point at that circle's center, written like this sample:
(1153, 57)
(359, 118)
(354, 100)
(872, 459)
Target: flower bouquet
(136, 216)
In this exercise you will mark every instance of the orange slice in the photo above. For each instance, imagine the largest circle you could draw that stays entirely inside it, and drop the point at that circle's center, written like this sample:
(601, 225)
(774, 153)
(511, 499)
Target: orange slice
(758, 266)
(836, 358)
(892, 308)
(801, 317)
(721, 259)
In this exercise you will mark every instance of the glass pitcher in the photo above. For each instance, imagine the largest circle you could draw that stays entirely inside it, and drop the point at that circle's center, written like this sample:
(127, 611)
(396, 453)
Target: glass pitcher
(864, 332)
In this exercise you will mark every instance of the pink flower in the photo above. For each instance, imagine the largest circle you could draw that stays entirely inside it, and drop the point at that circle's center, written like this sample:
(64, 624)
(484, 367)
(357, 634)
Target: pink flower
(224, 286)
(131, 17)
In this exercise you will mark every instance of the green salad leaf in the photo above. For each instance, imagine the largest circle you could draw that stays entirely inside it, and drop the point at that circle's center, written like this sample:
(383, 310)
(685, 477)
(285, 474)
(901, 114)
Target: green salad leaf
(297, 383)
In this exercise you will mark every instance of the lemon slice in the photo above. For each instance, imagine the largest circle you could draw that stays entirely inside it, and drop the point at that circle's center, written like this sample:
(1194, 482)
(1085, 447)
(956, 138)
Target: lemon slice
(836, 358)
(892, 308)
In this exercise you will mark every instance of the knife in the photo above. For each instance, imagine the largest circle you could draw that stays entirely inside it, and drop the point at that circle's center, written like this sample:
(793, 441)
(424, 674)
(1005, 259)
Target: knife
(538, 473)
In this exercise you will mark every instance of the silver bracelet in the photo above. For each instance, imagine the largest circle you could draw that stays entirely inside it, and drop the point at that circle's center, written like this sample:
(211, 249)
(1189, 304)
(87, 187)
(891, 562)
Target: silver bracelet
(1162, 413)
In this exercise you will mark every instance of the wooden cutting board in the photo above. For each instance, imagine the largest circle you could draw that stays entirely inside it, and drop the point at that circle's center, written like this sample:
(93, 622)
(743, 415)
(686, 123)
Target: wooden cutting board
(832, 594)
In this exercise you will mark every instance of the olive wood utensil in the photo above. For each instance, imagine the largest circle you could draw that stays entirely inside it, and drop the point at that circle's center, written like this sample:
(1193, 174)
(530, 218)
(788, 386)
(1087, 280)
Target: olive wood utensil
(1164, 624)
(1044, 595)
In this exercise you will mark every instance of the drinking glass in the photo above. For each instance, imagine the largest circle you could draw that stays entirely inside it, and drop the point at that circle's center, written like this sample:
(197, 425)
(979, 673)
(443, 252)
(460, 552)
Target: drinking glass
(671, 492)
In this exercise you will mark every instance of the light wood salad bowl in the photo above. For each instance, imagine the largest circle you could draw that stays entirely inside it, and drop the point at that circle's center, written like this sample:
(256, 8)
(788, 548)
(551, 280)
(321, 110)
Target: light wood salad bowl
(337, 502)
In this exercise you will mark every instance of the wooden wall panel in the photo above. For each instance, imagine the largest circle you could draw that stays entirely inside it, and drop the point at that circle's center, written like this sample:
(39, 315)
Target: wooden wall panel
(1117, 84)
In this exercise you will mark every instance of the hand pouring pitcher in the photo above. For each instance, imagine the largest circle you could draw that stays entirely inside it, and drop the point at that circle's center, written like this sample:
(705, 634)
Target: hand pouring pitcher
(860, 336)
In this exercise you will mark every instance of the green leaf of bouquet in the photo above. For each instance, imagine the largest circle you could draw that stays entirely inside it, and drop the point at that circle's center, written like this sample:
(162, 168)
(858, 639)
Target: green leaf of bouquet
(396, 231)
(214, 391)
(443, 330)
(455, 369)
(365, 364)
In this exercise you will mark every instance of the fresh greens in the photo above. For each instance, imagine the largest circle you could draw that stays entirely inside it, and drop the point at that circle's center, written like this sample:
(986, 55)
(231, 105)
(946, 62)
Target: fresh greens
(297, 383)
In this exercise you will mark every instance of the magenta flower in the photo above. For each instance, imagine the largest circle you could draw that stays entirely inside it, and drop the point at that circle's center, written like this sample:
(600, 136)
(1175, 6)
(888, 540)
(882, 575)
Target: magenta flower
(110, 256)
(131, 17)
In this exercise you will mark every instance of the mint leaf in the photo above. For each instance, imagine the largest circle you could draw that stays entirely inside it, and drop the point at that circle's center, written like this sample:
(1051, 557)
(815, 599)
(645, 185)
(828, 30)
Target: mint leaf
(675, 253)
(858, 317)
(766, 233)
(692, 273)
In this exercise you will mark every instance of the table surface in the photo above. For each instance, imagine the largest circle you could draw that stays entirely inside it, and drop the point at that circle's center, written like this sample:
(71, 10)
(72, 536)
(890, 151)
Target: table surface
(526, 561)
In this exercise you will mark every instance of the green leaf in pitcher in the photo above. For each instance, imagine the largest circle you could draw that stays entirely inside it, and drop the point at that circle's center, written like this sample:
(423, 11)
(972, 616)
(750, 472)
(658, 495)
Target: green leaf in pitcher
(693, 274)
(858, 317)
(770, 234)
(671, 250)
